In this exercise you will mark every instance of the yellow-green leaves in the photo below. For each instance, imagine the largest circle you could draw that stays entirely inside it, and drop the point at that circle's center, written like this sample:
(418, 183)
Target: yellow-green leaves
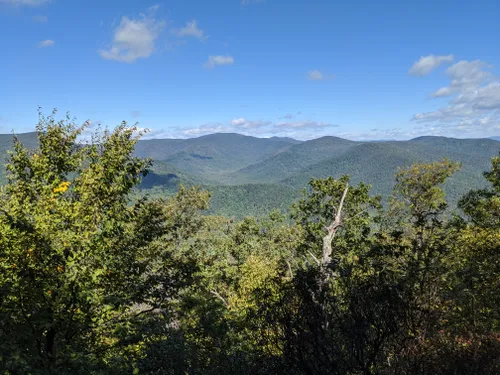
(418, 189)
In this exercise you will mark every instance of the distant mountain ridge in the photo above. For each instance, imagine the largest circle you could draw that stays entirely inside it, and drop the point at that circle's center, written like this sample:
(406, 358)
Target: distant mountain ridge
(245, 178)
(251, 176)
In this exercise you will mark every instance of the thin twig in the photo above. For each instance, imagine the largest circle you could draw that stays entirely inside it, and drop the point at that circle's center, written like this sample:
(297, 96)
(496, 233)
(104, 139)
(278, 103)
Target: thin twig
(215, 293)
(316, 259)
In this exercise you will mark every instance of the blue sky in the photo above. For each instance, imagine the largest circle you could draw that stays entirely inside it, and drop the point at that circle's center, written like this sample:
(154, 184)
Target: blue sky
(355, 69)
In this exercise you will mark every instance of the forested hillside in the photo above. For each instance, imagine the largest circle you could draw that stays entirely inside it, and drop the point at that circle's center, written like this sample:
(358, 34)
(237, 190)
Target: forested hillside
(96, 278)
(244, 177)
(253, 176)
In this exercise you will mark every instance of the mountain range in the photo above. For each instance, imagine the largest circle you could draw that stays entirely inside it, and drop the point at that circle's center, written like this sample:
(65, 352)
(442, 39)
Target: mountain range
(251, 176)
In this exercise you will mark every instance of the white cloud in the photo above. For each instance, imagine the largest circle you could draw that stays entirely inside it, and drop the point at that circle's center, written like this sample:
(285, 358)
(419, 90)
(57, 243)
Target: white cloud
(316, 75)
(474, 101)
(203, 130)
(40, 19)
(427, 64)
(183, 133)
(190, 30)
(134, 38)
(46, 43)
(482, 98)
(241, 123)
(303, 125)
(465, 76)
(154, 8)
(24, 2)
(213, 61)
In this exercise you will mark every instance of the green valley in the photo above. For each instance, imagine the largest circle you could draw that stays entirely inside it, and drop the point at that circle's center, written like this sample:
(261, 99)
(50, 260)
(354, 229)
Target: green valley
(253, 176)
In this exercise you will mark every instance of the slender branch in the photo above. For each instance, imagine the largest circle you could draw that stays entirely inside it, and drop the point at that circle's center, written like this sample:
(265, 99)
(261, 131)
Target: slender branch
(289, 268)
(315, 259)
(352, 217)
(332, 229)
(215, 293)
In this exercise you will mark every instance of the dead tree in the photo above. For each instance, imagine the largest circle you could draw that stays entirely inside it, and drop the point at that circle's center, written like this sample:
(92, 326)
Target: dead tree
(332, 229)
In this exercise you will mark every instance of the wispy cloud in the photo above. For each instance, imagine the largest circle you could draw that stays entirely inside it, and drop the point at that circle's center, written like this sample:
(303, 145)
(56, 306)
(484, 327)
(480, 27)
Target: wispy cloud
(317, 75)
(134, 39)
(190, 30)
(242, 123)
(190, 132)
(427, 64)
(303, 125)
(465, 76)
(46, 43)
(257, 128)
(214, 61)
(204, 129)
(474, 101)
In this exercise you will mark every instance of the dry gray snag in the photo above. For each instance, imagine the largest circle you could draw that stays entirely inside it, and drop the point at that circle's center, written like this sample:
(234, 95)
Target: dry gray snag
(332, 230)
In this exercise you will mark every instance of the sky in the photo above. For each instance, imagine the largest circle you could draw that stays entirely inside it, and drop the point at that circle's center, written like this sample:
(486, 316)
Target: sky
(357, 69)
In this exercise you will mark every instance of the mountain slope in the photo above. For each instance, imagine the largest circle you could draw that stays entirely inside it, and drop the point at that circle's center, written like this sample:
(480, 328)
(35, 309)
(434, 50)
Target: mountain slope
(291, 161)
(211, 156)
(30, 140)
(376, 163)
(251, 176)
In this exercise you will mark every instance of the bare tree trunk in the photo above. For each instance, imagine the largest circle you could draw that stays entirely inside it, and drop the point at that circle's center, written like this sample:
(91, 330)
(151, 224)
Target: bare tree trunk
(332, 230)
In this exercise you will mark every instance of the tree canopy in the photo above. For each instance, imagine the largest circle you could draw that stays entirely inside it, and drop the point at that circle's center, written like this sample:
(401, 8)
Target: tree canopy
(96, 278)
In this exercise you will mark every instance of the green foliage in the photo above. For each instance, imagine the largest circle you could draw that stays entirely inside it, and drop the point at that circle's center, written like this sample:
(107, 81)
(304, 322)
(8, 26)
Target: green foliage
(243, 171)
(315, 211)
(79, 260)
(65, 221)
(96, 278)
(483, 206)
(418, 189)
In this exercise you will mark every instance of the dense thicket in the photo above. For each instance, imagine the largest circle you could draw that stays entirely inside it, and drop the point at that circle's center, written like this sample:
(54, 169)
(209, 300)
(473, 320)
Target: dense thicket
(95, 280)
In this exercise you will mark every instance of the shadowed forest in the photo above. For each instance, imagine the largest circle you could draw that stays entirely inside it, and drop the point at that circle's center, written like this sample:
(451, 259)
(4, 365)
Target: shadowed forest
(99, 278)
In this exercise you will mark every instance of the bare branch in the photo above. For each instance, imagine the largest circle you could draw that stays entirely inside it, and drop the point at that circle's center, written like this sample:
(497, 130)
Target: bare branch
(352, 217)
(289, 268)
(316, 259)
(215, 293)
(332, 229)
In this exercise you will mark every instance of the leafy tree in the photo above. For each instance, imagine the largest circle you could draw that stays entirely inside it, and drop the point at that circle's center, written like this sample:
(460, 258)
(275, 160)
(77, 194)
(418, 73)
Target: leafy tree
(96, 278)
(482, 207)
(319, 206)
(79, 261)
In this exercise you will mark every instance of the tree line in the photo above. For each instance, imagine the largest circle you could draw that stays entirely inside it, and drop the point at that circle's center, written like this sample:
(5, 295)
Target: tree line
(95, 280)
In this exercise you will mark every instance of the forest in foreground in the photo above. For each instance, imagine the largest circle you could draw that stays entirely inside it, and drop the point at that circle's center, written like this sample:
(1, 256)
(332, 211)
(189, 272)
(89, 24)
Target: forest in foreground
(96, 279)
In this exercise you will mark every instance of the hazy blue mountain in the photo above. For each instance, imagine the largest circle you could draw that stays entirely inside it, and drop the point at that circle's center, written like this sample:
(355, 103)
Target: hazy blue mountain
(495, 138)
(251, 176)
(211, 156)
(30, 140)
(376, 163)
(292, 161)
(287, 139)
